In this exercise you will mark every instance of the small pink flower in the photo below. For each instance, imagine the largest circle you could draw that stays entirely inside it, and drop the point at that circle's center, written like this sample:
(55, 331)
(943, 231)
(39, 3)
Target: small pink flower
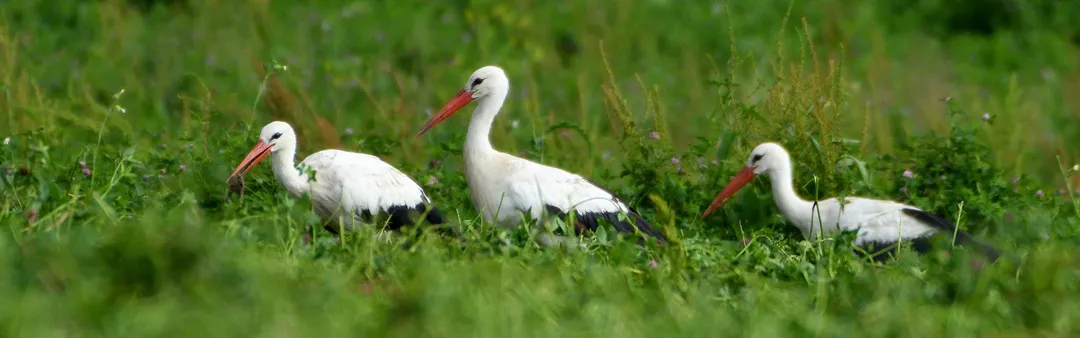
(367, 288)
(348, 131)
(564, 133)
(653, 264)
(86, 171)
(1039, 193)
(654, 135)
(986, 117)
(908, 174)
(675, 161)
(977, 264)
(746, 241)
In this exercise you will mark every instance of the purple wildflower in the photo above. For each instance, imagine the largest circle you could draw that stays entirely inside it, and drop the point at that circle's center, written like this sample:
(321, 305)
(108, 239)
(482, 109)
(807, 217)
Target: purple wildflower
(653, 264)
(86, 171)
(746, 241)
(348, 131)
(145, 177)
(977, 264)
(675, 161)
(1047, 74)
(654, 135)
(908, 174)
(1039, 193)
(986, 117)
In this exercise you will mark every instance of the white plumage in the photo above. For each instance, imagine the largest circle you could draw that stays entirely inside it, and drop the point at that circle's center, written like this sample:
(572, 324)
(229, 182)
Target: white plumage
(343, 185)
(877, 223)
(504, 187)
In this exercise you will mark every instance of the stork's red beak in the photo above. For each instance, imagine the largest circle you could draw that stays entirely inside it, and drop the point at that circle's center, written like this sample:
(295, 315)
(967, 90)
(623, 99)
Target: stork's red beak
(258, 153)
(737, 182)
(460, 100)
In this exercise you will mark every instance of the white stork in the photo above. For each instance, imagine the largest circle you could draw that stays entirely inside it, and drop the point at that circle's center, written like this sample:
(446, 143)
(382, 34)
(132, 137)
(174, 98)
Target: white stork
(878, 224)
(346, 187)
(504, 188)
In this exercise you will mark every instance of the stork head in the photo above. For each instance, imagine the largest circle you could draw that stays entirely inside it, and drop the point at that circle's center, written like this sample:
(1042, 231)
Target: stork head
(484, 82)
(274, 137)
(766, 158)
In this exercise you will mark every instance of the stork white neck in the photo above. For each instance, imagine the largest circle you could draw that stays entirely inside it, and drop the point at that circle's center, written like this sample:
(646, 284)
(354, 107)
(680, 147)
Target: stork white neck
(283, 163)
(478, 140)
(793, 207)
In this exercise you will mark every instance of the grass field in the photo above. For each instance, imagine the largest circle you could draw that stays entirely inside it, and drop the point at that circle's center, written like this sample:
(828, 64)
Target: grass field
(122, 120)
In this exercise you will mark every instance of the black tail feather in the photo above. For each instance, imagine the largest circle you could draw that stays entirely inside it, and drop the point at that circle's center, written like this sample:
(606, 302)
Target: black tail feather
(591, 221)
(947, 228)
(400, 216)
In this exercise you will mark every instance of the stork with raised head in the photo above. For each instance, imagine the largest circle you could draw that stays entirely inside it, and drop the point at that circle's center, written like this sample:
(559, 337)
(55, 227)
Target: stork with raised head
(877, 223)
(504, 187)
(345, 187)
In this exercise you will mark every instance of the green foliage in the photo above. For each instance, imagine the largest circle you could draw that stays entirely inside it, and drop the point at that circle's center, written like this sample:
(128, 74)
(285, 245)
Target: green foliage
(946, 172)
(122, 119)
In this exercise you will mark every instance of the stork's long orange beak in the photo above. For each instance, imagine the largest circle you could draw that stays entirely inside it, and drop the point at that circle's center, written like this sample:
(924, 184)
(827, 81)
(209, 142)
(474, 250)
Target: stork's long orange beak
(737, 182)
(460, 100)
(258, 153)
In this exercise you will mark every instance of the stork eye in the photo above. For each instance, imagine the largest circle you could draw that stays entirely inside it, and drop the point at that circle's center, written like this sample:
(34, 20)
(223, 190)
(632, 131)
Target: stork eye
(276, 136)
(477, 82)
(758, 157)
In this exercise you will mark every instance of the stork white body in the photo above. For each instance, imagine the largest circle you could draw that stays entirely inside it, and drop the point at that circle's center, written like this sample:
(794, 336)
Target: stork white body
(877, 223)
(504, 187)
(346, 187)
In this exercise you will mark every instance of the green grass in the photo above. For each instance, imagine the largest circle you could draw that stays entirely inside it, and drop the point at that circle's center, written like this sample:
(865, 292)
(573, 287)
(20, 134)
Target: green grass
(147, 244)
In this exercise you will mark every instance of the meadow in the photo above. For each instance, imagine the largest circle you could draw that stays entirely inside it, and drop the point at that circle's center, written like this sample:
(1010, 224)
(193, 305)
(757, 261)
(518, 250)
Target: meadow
(122, 120)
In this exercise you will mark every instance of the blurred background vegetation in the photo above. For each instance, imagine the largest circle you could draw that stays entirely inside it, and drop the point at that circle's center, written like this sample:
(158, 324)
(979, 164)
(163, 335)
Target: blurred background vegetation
(978, 97)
